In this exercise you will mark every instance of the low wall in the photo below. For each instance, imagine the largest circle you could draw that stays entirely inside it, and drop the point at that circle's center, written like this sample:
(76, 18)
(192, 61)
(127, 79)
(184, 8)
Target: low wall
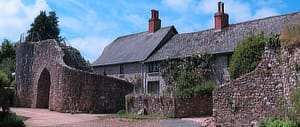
(87, 92)
(169, 106)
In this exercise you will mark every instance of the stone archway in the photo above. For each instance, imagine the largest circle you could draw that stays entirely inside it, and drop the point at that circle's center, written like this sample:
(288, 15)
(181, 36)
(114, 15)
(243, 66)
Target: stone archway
(43, 89)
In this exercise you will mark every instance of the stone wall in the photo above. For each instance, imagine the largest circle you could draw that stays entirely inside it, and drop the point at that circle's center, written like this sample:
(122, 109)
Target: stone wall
(258, 94)
(40, 65)
(169, 106)
(74, 59)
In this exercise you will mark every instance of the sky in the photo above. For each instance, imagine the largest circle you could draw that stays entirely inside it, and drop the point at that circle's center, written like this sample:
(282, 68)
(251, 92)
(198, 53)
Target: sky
(90, 25)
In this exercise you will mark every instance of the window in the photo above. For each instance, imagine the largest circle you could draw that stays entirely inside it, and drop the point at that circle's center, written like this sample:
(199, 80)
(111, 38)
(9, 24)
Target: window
(228, 60)
(104, 72)
(153, 67)
(121, 69)
(153, 87)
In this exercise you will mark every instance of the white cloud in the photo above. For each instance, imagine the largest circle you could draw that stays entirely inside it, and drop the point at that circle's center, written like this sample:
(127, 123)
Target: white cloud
(267, 2)
(238, 10)
(90, 47)
(136, 20)
(71, 23)
(178, 5)
(265, 12)
(15, 17)
(207, 6)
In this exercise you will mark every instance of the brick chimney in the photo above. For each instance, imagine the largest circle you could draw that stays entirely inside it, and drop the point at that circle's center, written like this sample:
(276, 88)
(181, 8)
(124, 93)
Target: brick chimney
(221, 18)
(154, 21)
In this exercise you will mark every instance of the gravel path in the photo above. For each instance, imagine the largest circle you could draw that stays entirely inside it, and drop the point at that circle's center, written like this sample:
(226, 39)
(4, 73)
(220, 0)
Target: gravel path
(46, 118)
(116, 122)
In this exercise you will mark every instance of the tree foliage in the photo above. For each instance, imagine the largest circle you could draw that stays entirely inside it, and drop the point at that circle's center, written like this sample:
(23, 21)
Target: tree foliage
(8, 57)
(247, 55)
(184, 78)
(4, 100)
(8, 50)
(7, 67)
(44, 27)
(191, 83)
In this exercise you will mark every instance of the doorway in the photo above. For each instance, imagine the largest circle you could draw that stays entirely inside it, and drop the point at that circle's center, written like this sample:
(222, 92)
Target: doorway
(43, 89)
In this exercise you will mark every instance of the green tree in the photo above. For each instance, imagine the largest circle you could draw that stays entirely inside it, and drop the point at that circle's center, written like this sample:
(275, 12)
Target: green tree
(247, 55)
(44, 27)
(8, 50)
(8, 57)
(4, 100)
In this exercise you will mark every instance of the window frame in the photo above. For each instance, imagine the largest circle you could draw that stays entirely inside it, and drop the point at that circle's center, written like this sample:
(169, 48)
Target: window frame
(153, 87)
(153, 67)
(121, 69)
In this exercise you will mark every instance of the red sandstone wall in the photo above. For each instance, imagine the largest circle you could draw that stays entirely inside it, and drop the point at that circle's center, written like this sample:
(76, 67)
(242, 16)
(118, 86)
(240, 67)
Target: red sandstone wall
(71, 90)
(258, 94)
(168, 106)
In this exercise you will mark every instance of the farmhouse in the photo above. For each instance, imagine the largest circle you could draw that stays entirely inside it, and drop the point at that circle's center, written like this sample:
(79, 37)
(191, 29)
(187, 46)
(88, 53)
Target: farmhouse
(138, 56)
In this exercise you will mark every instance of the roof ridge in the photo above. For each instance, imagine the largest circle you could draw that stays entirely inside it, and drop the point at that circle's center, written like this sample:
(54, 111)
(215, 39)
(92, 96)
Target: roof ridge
(142, 32)
(231, 25)
(265, 18)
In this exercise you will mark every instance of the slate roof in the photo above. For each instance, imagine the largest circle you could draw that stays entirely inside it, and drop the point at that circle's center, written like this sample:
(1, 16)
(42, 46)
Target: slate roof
(224, 41)
(134, 47)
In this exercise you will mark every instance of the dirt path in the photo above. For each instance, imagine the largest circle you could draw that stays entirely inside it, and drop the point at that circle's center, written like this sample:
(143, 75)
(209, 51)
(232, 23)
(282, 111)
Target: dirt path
(44, 117)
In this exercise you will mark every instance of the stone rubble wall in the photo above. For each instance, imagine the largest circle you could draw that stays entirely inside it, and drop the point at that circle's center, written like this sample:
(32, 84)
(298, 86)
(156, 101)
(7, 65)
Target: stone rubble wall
(259, 94)
(169, 106)
(74, 59)
(71, 89)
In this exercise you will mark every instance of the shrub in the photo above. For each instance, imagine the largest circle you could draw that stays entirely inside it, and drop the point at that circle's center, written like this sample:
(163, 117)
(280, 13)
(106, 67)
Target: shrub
(186, 76)
(278, 123)
(11, 120)
(273, 41)
(121, 112)
(190, 83)
(295, 112)
(4, 93)
(4, 80)
(5, 99)
(247, 55)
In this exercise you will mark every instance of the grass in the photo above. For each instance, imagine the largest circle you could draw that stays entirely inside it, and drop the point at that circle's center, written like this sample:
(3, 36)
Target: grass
(11, 120)
(290, 35)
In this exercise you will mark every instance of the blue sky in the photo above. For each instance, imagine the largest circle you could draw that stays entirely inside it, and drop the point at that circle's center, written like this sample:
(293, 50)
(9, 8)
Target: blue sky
(89, 25)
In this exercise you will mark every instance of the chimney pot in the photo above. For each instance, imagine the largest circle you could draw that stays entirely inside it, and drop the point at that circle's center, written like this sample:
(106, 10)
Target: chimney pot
(219, 6)
(222, 8)
(221, 18)
(154, 21)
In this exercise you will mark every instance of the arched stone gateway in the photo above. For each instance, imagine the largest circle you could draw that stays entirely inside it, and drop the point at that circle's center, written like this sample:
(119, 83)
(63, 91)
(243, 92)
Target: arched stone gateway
(45, 80)
(43, 90)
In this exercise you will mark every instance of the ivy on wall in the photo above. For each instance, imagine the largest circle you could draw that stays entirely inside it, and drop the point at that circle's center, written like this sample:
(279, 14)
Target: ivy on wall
(185, 76)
